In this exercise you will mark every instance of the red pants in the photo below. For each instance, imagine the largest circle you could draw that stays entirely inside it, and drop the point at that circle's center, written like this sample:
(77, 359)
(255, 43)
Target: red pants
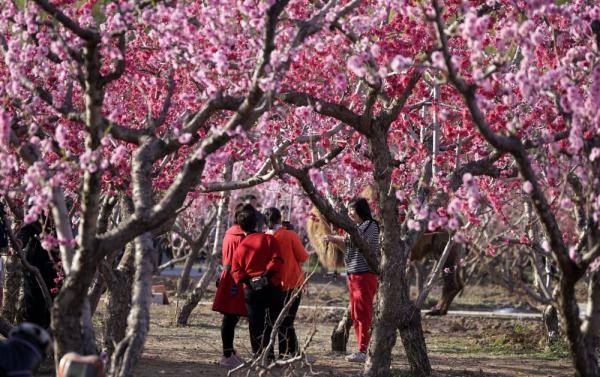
(362, 291)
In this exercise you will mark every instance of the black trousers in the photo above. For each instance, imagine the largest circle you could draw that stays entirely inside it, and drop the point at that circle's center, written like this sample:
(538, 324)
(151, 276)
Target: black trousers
(263, 306)
(228, 325)
(288, 341)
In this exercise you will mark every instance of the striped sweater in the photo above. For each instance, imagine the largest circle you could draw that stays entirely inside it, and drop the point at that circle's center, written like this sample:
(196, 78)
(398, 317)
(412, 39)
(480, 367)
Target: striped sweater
(354, 260)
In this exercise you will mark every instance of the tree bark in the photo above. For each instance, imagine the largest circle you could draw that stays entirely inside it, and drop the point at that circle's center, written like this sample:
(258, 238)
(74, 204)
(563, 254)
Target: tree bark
(184, 279)
(88, 334)
(195, 296)
(118, 306)
(411, 333)
(96, 291)
(393, 296)
(13, 280)
(221, 226)
(582, 345)
(341, 333)
(5, 327)
(130, 348)
(195, 246)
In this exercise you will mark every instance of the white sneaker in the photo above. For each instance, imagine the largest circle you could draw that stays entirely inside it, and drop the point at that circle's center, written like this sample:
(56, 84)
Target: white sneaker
(357, 357)
(231, 361)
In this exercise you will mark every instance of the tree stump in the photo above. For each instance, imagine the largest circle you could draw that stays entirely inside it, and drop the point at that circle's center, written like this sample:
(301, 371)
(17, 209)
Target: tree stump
(340, 334)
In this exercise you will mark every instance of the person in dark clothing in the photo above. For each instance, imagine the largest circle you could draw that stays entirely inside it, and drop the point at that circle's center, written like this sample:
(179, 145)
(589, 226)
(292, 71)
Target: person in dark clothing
(294, 255)
(257, 264)
(260, 218)
(46, 261)
(3, 228)
(26, 347)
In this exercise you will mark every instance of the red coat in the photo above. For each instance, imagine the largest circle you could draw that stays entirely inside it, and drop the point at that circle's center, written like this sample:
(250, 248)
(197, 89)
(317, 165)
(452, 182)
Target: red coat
(229, 298)
(257, 253)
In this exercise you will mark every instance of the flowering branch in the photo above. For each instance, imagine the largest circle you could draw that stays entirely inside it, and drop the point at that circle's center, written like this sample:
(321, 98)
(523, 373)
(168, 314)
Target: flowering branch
(83, 33)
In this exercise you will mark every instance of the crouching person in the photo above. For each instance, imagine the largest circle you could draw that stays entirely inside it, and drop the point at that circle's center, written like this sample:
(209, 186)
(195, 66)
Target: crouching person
(26, 347)
(257, 265)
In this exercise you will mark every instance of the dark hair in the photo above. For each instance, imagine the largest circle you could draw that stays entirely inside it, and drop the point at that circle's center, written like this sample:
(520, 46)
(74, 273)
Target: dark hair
(361, 206)
(246, 218)
(241, 207)
(273, 216)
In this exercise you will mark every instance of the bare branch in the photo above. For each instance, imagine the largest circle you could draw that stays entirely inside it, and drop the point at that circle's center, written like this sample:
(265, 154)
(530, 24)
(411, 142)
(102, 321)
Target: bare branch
(334, 110)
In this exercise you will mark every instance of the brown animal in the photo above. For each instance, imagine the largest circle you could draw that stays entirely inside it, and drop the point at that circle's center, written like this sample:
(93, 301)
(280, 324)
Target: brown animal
(430, 244)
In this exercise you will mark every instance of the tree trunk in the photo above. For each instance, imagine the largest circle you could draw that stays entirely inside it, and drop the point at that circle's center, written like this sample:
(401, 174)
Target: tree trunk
(98, 288)
(393, 296)
(411, 333)
(184, 280)
(88, 334)
(119, 300)
(341, 333)
(68, 307)
(195, 296)
(582, 345)
(550, 319)
(420, 275)
(5, 327)
(130, 348)
(13, 280)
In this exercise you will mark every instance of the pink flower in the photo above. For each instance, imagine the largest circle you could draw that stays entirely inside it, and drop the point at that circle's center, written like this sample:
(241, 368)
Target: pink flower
(303, 112)
(4, 128)
(594, 154)
(185, 138)
(399, 62)
(459, 238)
(316, 177)
(573, 254)
(413, 225)
(29, 218)
(566, 203)
(355, 64)
(454, 206)
(400, 195)
(437, 60)
(119, 155)
(340, 82)
(61, 135)
(546, 246)
(453, 223)
(527, 187)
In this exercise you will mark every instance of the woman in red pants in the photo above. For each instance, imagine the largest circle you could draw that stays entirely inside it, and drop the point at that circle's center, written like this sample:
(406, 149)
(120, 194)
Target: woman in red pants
(362, 282)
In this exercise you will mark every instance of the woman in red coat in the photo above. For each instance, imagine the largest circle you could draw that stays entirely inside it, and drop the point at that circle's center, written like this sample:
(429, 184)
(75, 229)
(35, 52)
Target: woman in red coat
(229, 298)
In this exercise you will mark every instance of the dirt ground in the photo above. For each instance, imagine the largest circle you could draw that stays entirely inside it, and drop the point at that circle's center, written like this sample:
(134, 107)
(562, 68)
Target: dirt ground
(458, 346)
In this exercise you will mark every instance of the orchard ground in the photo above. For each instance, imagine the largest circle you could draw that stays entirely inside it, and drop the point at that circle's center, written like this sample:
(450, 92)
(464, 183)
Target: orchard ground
(458, 346)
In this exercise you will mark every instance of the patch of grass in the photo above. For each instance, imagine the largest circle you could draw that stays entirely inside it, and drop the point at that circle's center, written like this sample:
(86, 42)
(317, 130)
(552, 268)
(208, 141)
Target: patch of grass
(464, 373)
(521, 339)
(556, 351)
